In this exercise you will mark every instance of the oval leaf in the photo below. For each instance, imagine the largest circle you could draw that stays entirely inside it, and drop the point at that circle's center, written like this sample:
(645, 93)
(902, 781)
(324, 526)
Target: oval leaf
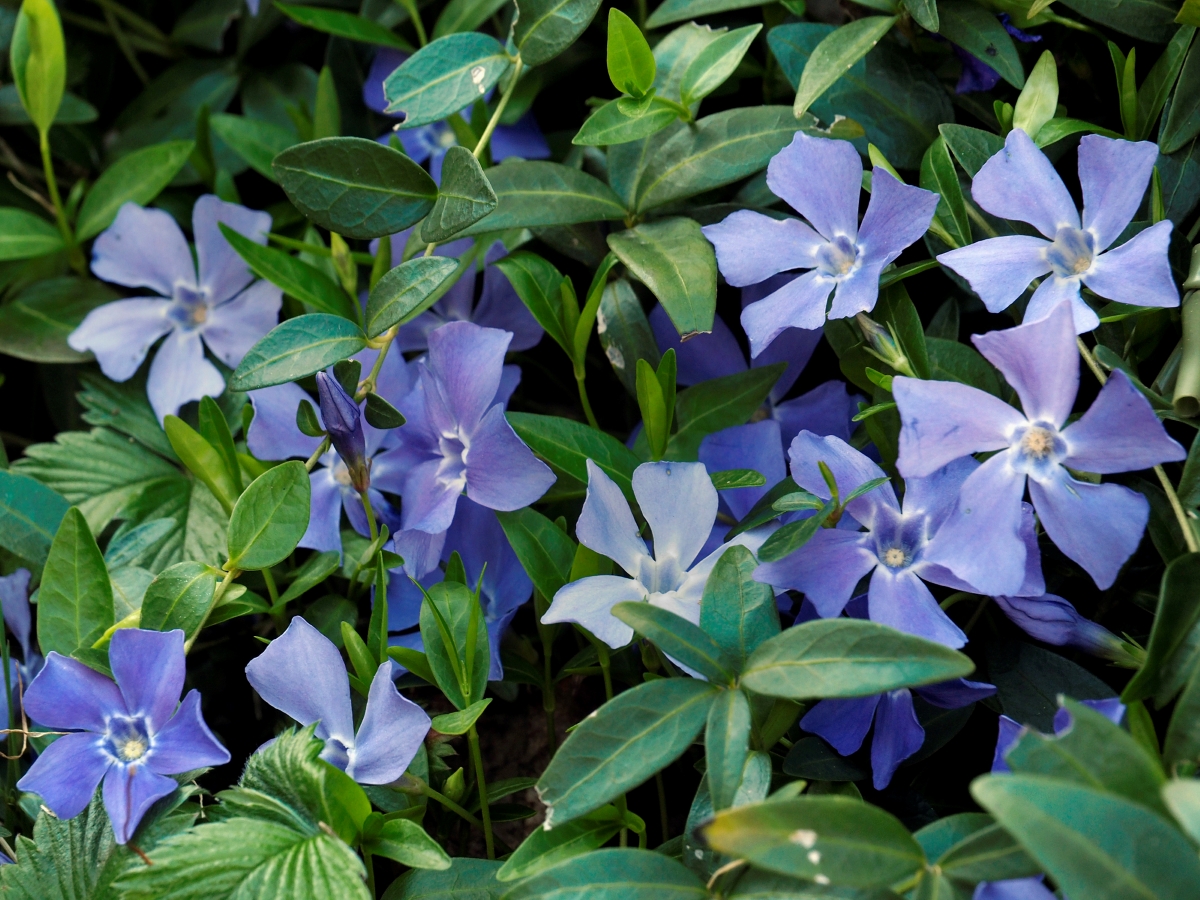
(270, 517)
(399, 296)
(444, 77)
(296, 348)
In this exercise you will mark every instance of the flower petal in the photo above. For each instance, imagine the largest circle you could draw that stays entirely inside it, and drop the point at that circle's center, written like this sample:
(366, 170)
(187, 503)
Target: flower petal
(897, 215)
(480, 541)
(826, 569)
(1053, 620)
(858, 292)
(324, 513)
(902, 601)
(149, 669)
(273, 433)
(429, 503)
(144, 248)
(1138, 271)
(828, 409)
(898, 735)
(679, 502)
(392, 731)
(843, 724)
(798, 304)
(301, 674)
(1020, 183)
(66, 773)
(1097, 525)
(180, 373)
(589, 602)
(522, 139)
(467, 361)
(955, 694)
(503, 473)
(186, 742)
(236, 326)
(1030, 888)
(1114, 175)
(849, 468)
(980, 542)
(1119, 432)
(606, 523)
(943, 420)
(1054, 291)
(121, 333)
(936, 495)
(1009, 731)
(14, 599)
(223, 273)
(500, 307)
(751, 247)
(821, 179)
(755, 446)
(705, 356)
(68, 694)
(128, 792)
(999, 269)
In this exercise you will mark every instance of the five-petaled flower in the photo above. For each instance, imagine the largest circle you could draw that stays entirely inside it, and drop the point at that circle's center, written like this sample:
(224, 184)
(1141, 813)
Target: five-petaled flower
(821, 179)
(223, 307)
(301, 673)
(132, 733)
(1020, 183)
(1097, 525)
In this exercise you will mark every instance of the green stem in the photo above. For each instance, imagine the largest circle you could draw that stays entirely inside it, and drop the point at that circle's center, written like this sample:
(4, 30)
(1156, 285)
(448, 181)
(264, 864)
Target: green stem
(315, 249)
(682, 111)
(217, 595)
(317, 454)
(664, 818)
(272, 589)
(13, 768)
(449, 804)
(366, 502)
(495, 119)
(980, 222)
(481, 783)
(413, 14)
(583, 399)
(68, 236)
(369, 863)
(641, 11)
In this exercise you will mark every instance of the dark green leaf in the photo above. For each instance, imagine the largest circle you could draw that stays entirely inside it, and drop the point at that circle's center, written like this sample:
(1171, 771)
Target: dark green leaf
(676, 262)
(1029, 679)
(137, 177)
(460, 722)
(539, 285)
(344, 25)
(924, 13)
(726, 745)
(1182, 743)
(1149, 20)
(453, 606)
(179, 598)
(465, 196)
(400, 295)
(541, 194)
(834, 56)
(297, 348)
(951, 361)
(717, 404)
(989, 854)
(73, 111)
(1183, 118)
(568, 445)
(35, 324)
(257, 142)
(202, 460)
(737, 611)
(732, 479)
(678, 638)
(972, 147)
(270, 517)
(545, 551)
(980, 33)
(30, 514)
(24, 235)
(465, 15)
(545, 28)
(812, 758)
(75, 602)
(715, 63)
(407, 843)
(789, 538)
(939, 175)
(381, 414)
(466, 879)
(445, 76)
(630, 874)
(681, 10)
(543, 849)
(1177, 615)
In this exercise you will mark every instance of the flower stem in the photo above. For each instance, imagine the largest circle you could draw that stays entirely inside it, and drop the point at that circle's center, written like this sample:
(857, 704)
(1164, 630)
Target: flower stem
(73, 254)
(662, 807)
(217, 595)
(366, 502)
(484, 808)
(583, 399)
(504, 98)
(317, 454)
(448, 803)
(369, 864)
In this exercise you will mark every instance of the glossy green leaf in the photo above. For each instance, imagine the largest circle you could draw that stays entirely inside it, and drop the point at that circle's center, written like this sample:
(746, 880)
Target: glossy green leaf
(1183, 118)
(624, 332)
(1092, 843)
(304, 282)
(75, 601)
(355, 187)
(679, 639)
(717, 404)
(544, 550)
(1149, 20)
(446, 621)
(465, 15)
(789, 538)
(737, 611)
(938, 174)
(296, 348)
(951, 361)
(1177, 615)
(545, 28)
(845, 841)
(608, 125)
(622, 744)
(400, 295)
(537, 194)
(726, 745)
(445, 76)
(980, 33)
(848, 658)
(568, 445)
(255, 141)
(682, 10)
(137, 177)
(972, 147)
(381, 414)
(538, 283)
(407, 843)
(716, 62)
(202, 460)
(756, 884)
(631, 66)
(836, 54)
(924, 13)
(466, 879)
(543, 849)
(38, 61)
(24, 235)
(37, 321)
(179, 597)
(1152, 95)
(464, 197)
(270, 517)
(615, 872)
(461, 721)
(676, 262)
(1183, 799)
(1039, 98)
(344, 25)
(315, 570)
(989, 854)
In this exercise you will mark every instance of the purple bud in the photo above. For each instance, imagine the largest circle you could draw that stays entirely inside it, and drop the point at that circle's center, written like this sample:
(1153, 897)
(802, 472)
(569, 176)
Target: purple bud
(1053, 620)
(344, 426)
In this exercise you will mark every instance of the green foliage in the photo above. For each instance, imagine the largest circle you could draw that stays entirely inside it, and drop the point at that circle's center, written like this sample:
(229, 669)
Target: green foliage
(75, 604)
(38, 60)
(296, 348)
(541, 194)
(636, 874)
(137, 178)
(179, 597)
(445, 76)
(269, 518)
(545, 28)
(464, 197)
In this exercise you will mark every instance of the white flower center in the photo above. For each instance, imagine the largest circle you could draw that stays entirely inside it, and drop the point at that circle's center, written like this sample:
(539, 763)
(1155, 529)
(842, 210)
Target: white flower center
(127, 739)
(894, 557)
(838, 258)
(190, 309)
(1072, 252)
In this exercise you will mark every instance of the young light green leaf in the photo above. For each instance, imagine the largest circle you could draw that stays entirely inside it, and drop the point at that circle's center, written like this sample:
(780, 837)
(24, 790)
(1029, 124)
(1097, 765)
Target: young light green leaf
(631, 66)
(202, 460)
(38, 61)
(445, 76)
(545, 28)
(679, 639)
(732, 479)
(24, 235)
(270, 517)
(465, 196)
(1182, 796)
(179, 597)
(674, 260)
(296, 348)
(255, 141)
(137, 177)
(327, 113)
(407, 843)
(344, 25)
(75, 601)
(400, 295)
(835, 55)
(653, 408)
(610, 124)
(460, 722)
(1039, 98)
(715, 63)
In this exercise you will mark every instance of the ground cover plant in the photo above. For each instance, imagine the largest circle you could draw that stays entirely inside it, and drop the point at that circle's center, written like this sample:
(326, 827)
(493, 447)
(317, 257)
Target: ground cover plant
(546, 450)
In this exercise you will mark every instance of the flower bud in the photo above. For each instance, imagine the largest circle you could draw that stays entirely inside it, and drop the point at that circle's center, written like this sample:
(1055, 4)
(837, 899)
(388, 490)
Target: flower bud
(344, 426)
(1053, 620)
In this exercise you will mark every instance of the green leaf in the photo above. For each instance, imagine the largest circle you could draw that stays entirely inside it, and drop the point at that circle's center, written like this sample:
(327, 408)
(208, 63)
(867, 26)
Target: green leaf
(543, 849)
(545, 28)
(355, 187)
(297, 348)
(938, 174)
(679, 639)
(381, 414)
(756, 884)
(951, 361)
(834, 56)
(75, 602)
(257, 142)
(137, 177)
(681, 10)
(609, 125)
(270, 517)
(407, 843)
(622, 744)
(629, 874)
(989, 854)
(202, 460)
(789, 538)
(327, 113)
(1149, 20)
(24, 235)
(924, 13)
(1182, 743)
(972, 147)
(717, 404)
(30, 515)
(1039, 98)
(179, 598)
(538, 283)
(676, 262)
(1183, 118)
(1093, 844)
(1152, 95)
(445, 76)
(73, 110)
(718, 150)
(1177, 615)
(545, 551)
(465, 15)
(716, 62)
(36, 322)
(980, 33)
(631, 66)
(737, 611)
(732, 479)
(726, 746)
(1183, 798)
(848, 658)
(537, 194)
(568, 445)
(845, 841)
(466, 879)
(38, 61)
(624, 332)
(465, 196)
(400, 295)
(306, 283)
(1093, 752)
(446, 622)
(460, 722)
(344, 25)
(1029, 680)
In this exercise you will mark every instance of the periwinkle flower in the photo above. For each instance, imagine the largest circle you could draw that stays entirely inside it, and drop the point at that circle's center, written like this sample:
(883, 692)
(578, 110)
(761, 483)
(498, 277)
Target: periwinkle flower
(130, 733)
(1051, 619)
(14, 600)
(1020, 183)
(457, 438)
(679, 502)
(1097, 525)
(222, 307)
(977, 75)
(820, 179)
(301, 674)
(343, 424)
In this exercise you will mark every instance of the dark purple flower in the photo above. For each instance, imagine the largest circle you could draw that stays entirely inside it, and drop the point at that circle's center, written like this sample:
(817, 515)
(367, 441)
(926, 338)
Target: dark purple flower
(1020, 183)
(301, 674)
(343, 424)
(1051, 619)
(976, 74)
(1097, 525)
(822, 180)
(130, 733)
